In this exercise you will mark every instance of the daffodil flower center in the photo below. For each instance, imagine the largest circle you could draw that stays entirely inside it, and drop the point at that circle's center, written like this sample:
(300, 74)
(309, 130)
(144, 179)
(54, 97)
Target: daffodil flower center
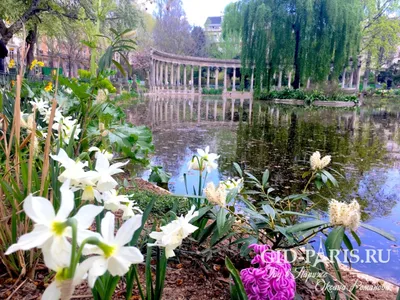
(58, 227)
(108, 250)
(62, 274)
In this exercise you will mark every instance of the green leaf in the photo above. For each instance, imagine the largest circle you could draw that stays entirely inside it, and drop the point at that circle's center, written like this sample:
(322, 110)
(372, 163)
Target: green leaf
(379, 231)
(238, 169)
(265, 177)
(306, 226)
(241, 293)
(356, 237)
(119, 67)
(335, 239)
(221, 218)
(269, 210)
(347, 242)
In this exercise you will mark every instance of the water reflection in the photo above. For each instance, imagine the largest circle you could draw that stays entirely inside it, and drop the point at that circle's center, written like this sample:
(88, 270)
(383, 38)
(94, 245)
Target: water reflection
(364, 144)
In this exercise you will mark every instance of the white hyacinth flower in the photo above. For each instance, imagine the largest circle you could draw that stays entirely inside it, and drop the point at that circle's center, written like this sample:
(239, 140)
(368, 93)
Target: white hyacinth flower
(115, 257)
(107, 154)
(317, 163)
(105, 182)
(50, 230)
(343, 214)
(172, 234)
(216, 195)
(204, 160)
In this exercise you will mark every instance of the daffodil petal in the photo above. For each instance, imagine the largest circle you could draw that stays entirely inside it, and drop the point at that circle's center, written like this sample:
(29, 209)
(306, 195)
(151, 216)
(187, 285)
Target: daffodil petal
(39, 209)
(99, 267)
(118, 265)
(107, 228)
(86, 214)
(131, 254)
(126, 231)
(67, 201)
(52, 292)
(36, 238)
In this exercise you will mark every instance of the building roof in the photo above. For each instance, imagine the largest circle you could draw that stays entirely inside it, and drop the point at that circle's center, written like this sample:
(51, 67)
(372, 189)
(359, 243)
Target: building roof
(214, 20)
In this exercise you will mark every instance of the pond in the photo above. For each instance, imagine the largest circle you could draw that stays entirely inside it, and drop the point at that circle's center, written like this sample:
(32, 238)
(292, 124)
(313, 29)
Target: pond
(364, 144)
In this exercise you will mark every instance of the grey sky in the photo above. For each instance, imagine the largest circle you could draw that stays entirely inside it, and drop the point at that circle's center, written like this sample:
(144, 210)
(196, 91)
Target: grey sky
(197, 11)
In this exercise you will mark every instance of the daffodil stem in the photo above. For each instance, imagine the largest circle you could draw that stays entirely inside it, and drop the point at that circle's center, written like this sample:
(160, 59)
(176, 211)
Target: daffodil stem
(77, 258)
(74, 226)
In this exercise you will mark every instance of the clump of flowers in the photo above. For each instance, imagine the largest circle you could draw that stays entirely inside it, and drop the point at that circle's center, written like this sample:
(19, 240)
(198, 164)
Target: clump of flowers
(204, 160)
(216, 195)
(35, 63)
(344, 214)
(48, 87)
(172, 234)
(317, 163)
(11, 64)
(272, 279)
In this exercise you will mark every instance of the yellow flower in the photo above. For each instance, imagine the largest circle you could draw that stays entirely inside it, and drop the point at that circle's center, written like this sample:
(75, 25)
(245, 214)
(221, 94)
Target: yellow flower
(11, 64)
(40, 64)
(49, 87)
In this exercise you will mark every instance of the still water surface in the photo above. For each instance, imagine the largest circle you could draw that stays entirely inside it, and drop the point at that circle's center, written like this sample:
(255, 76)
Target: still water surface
(364, 144)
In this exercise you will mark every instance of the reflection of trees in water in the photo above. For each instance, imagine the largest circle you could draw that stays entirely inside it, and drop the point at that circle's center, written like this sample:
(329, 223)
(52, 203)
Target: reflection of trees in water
(281, 139)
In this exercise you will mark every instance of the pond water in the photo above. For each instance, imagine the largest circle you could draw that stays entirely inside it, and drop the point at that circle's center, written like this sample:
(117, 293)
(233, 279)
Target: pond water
(364, 144)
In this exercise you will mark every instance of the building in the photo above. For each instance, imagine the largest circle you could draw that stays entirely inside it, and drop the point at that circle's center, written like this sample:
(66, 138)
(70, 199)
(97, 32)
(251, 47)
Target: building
(213, 28)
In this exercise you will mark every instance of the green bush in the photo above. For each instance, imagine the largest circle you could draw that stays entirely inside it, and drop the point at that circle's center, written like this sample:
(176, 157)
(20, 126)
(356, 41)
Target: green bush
(212, 91)
(308, 96)
(163, 204)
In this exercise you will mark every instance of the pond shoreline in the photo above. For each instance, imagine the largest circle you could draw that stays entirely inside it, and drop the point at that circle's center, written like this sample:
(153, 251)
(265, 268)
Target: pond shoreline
(314, 103)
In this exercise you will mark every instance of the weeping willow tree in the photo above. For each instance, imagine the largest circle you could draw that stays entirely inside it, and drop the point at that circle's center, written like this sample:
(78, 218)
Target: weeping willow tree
(315, 38)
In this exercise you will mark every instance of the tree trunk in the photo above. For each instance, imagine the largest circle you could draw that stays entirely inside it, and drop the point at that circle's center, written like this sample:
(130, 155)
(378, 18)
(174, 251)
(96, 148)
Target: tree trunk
(296, 82)
(30, 42)
(367, 71)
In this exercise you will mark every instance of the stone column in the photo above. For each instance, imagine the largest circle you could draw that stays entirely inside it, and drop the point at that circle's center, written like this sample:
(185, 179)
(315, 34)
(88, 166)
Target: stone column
(216, 77)
(192, 79)
(289, 85)
(208, 77)
(351, 79)
(344, 78)
(358, 74)
(172, 76)
(225, 76)
(178, 76)
(161, 75)
(157, 70)
(252, 80)
(234, 79)
(308, 83)
(280, 79)
(199, 79)
(184, 78)
(152, 77)
(166, 76)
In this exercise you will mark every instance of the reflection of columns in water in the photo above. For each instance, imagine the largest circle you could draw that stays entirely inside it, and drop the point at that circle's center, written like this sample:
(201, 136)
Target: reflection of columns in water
(178, 110)
(232, 109)
(250, 110)
(207, 105)
(241, 102)
(184, 110)
(191, 101)
(166, 111)
(198, 108)
(223, 107)
(172, 111)
(215, 110)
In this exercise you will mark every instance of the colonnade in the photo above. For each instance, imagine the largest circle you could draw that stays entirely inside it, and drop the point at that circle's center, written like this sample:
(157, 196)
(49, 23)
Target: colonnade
(176, 73)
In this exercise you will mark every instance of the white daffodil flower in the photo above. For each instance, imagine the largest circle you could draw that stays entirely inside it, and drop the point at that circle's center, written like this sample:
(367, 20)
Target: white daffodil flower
(115, 257)
(40, 105)
(105, 182)
(107, 154)
(172, 234)
(130, 209)
(112, 201)
(57, 115)
(317, 163)
(205, 160)
(67, 126)
(50, 230)
(231, 184)
(74, 171)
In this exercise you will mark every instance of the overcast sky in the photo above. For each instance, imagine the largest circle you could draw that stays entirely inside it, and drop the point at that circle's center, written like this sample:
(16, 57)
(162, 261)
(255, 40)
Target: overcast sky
(198, 11)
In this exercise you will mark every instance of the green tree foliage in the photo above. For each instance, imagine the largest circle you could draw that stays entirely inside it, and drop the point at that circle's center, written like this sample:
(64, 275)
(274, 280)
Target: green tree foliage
(199, 42)
(309, 35)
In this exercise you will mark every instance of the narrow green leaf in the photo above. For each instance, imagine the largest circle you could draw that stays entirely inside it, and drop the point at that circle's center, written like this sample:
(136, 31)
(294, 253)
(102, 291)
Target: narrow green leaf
(241, 293)
(379, 231)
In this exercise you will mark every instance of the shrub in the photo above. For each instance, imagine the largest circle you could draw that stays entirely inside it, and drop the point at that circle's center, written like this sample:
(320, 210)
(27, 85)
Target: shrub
(212, 91)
